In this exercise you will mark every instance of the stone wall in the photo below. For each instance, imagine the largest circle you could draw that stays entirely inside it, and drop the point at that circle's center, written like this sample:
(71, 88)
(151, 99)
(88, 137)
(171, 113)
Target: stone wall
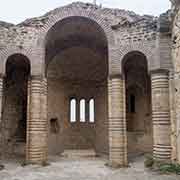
(77, 135)
(124, 28)
(108, 35)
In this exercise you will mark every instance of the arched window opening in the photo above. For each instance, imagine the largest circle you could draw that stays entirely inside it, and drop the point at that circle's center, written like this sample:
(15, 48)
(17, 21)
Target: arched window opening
(91, 111)
(73, 110)
(82, 110)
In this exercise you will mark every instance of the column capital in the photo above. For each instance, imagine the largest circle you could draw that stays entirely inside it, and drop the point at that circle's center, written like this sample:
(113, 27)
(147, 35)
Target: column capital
(159, 71)
(115, 76)
(36, 77)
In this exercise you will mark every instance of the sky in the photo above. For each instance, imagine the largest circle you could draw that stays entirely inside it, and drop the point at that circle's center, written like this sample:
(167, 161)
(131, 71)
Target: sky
(16, 11)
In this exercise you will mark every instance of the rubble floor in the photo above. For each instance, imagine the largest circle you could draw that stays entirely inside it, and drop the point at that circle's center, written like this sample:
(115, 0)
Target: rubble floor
(79, 168)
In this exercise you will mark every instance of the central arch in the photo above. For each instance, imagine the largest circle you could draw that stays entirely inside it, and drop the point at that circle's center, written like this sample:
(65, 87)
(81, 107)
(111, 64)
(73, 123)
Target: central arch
(76, 66)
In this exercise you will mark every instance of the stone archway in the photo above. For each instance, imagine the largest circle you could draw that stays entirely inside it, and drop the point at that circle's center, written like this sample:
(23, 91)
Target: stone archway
(74, 11)
(5, 53)
(77, 68)
(14, 104)
(138, 103)
(158, 89)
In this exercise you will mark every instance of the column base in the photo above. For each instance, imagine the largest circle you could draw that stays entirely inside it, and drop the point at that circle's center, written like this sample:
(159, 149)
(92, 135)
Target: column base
(116, 165)
(162, 152)
(41, 163)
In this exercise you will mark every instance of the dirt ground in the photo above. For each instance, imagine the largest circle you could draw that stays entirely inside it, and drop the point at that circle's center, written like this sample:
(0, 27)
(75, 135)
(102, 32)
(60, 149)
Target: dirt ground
(80, 168)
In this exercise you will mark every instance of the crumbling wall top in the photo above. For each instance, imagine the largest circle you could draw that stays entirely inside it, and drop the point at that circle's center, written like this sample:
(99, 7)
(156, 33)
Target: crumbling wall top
(115, 16)
(26, 33)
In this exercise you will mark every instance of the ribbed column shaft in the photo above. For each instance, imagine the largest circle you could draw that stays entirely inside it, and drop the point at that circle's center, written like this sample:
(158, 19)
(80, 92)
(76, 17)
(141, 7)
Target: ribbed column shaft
(44, 115)
(177, 113)
(161, 115)
(1, 96)
(172, 116)
(2, 144)
(117, 122)
(37, 121)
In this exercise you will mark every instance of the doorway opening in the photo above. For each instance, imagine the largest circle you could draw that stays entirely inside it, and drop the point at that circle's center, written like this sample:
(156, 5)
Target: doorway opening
(138, 103)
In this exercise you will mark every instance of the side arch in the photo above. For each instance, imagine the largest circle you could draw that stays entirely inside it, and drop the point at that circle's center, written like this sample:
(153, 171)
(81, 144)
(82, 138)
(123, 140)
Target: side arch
(9, 51)
(148, 51)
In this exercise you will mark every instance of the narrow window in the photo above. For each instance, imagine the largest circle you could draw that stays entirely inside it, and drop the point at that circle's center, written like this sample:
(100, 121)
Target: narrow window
(132, 104)
(91, 111)
(73, 110)
(82, 110)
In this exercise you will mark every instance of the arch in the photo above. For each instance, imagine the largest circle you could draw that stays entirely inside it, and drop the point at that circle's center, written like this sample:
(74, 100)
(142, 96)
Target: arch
(134, 66)
(53, 42)
(130, 54)
(143, 48)
(24, 62)
(66, 12)
(9, 51)
(15, 96)
(75, 31)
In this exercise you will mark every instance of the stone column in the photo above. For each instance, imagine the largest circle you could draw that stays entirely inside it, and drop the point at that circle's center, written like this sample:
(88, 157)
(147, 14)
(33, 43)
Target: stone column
(1, 112)
(117, 122)
(1, 96)
(37, 124)
(161, 115)
(44, 116)
(177, 113)
(172, 116)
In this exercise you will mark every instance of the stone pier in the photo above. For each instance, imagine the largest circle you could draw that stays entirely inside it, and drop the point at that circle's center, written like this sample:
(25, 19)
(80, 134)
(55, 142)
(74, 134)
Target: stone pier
(117, 122)
(161, 115)
(37, 121)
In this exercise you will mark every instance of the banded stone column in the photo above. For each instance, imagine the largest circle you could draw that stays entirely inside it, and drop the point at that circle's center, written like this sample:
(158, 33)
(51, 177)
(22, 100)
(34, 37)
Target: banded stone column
(172, 116)
(37, 124)
(177, 113)
(2, 145)
(1, 96)
(44, 116)
(117, 122)
(161, 115)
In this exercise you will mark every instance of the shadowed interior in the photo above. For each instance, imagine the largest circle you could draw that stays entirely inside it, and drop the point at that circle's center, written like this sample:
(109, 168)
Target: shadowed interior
(138, 103)
(77, 67)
